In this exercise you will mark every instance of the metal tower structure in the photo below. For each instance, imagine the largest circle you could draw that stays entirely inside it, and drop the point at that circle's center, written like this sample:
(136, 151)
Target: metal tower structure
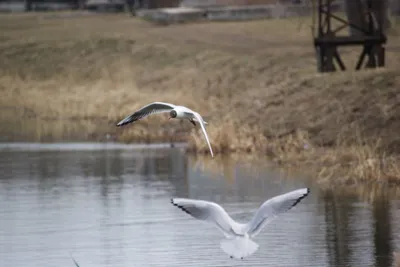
(326, 40)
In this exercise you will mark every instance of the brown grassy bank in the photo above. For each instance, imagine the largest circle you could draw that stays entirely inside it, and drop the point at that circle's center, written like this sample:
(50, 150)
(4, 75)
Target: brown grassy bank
(75, 78)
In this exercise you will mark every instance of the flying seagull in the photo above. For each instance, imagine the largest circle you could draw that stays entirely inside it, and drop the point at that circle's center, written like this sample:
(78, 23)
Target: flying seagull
(238, 241)
(178, 112)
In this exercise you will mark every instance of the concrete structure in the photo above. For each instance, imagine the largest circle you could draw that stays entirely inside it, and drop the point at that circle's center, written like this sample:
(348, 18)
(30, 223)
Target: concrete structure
(221, 3)
(11, 6)
(256, 12)
(20, 6)
(135, 5)
(172, 15)
(226, 13)
(98, 5)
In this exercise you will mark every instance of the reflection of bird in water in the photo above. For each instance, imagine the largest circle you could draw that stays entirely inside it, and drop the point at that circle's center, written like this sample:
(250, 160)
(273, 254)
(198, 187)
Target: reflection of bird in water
(204, 163)
(224, 166)
(178, 112)
(238, 241)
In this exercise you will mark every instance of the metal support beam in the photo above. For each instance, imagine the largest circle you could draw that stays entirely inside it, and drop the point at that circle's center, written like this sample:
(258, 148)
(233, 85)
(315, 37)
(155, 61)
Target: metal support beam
(326, 42)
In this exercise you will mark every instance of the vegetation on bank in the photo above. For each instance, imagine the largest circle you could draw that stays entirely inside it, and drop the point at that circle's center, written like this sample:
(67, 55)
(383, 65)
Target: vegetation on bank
(254, 82)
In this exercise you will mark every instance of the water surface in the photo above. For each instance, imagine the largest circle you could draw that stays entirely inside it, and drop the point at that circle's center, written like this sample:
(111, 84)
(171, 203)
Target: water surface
(109, 205)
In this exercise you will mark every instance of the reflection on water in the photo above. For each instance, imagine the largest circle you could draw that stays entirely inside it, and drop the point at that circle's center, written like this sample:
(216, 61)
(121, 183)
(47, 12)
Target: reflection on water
(109, 206)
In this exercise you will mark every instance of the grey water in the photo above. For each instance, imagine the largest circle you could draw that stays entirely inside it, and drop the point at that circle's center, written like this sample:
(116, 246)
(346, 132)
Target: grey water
(109, 205)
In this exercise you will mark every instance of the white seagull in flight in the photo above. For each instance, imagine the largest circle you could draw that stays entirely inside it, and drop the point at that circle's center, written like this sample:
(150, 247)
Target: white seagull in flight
(238, 241)
(178, 112)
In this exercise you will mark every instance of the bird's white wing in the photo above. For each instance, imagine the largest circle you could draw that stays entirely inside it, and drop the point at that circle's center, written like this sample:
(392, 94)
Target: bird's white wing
(206, 211)
(200, 120)
(273, 207)
(152, 108)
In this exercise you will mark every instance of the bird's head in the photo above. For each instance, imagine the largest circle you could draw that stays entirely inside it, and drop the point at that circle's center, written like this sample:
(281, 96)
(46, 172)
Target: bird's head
(172, 114)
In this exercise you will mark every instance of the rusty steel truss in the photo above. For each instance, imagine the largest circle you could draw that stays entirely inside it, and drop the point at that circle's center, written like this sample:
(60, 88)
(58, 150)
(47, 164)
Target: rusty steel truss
(326, 40)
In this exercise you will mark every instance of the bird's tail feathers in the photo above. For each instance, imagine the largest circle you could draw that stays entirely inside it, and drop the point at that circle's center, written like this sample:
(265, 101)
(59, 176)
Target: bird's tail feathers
(204, 122)
(239, 247)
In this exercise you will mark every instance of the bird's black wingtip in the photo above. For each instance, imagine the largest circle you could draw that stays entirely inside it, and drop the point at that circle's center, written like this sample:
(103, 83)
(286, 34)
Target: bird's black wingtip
(179, 206)
(302, 197)
(305, 194)
(173, 203)
(125, 122)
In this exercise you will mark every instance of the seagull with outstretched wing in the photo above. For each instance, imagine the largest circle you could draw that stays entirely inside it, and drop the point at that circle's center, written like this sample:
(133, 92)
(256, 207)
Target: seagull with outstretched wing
(178, 112)
(238, 241)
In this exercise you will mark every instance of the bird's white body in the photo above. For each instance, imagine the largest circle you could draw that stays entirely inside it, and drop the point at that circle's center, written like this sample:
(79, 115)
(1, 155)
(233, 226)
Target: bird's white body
(179, 112)
(239, 247)
(183, 112)
(186, 113)
(238, 241)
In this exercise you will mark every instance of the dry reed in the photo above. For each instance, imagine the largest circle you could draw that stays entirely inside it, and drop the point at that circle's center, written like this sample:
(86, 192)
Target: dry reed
(74, 78)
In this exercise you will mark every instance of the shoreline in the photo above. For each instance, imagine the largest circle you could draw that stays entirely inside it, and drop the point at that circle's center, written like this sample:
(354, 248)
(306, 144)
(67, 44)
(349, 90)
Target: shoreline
(325, 164)
(366, 190)
(74, 79)
(67, 146)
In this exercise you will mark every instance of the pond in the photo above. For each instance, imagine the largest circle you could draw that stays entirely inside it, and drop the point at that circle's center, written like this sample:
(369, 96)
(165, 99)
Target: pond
(109, 205)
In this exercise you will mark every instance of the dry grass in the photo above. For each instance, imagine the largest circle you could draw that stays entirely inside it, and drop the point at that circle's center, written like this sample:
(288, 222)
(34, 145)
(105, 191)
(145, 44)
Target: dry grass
(75, 78)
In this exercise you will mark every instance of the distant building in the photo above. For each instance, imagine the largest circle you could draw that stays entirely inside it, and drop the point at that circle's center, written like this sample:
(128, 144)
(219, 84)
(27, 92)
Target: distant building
(28, 5)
